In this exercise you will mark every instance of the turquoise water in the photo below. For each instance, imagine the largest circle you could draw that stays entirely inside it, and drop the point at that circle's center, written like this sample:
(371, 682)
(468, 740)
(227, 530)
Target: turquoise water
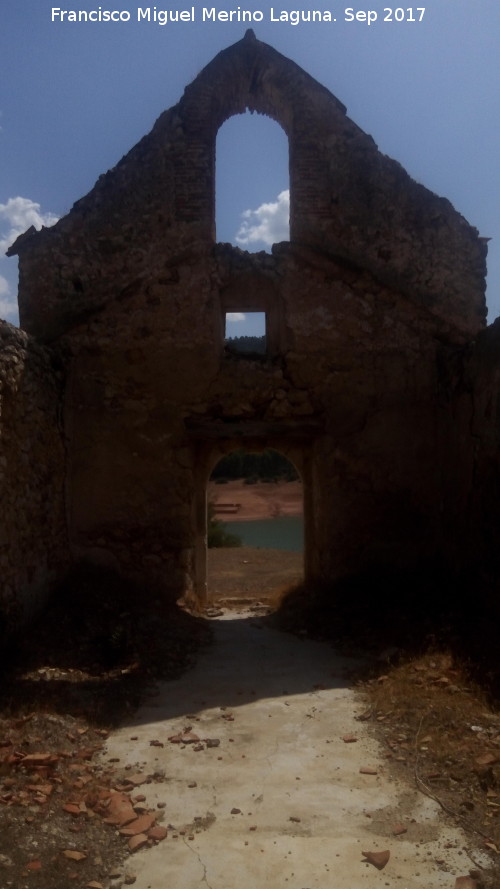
(286, 532)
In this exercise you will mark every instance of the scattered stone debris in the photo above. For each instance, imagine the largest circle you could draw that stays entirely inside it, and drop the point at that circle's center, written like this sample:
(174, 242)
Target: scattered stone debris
(184, 737)
(51, 769)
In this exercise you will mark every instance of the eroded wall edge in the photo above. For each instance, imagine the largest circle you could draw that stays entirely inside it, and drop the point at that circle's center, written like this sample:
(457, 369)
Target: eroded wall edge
(34, 550)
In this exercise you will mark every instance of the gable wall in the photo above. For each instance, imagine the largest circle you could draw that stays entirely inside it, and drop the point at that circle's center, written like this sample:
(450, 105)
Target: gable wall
(347, 200)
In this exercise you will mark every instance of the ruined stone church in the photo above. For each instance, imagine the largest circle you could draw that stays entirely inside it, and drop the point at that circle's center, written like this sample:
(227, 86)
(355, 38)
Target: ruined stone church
(380, 380)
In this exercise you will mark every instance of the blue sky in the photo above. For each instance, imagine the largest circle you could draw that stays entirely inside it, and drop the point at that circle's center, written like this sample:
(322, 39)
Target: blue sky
(75, 97)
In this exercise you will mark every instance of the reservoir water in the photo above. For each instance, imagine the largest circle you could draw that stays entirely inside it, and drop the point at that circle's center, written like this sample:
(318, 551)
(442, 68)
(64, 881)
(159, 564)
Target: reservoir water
(285, 532)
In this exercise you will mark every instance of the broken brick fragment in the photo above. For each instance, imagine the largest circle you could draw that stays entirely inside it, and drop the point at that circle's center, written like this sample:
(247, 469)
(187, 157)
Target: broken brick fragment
(119, 810)
(184, 738)
(138, 842)
(34, 865)
(378, 859)
(139, 825)
(137, 779)
(46, 789)
(157, 833)
(72, 808)
(73, 855)
(36, 759)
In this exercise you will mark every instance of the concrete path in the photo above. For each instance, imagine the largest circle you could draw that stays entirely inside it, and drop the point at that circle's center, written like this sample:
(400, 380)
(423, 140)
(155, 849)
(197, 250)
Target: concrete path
(280, 802)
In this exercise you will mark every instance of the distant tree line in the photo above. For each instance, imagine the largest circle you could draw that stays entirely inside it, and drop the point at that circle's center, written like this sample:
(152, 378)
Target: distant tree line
(269, 465)
(252, 345)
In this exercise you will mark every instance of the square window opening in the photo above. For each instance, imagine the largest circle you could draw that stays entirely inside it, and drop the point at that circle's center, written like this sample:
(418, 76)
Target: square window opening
(245, 333)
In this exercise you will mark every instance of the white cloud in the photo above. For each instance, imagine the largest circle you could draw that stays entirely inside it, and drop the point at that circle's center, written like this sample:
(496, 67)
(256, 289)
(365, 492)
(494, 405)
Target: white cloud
(19, 214)
(8, 303)
(8, 310)
(268, 224)
(235, 316)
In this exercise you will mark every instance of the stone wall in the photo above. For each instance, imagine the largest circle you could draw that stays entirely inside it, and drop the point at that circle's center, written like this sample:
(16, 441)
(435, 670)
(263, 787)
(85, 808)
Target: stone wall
(481, 390)
(350, 389)
(33, 538)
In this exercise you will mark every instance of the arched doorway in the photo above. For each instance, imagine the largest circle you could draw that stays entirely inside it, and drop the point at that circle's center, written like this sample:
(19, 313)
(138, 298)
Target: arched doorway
(255, 526)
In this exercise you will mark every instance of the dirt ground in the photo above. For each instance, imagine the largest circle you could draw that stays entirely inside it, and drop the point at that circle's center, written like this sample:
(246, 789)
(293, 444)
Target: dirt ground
(246, 572)
(236, 501)
(443, 737)
(79, 671)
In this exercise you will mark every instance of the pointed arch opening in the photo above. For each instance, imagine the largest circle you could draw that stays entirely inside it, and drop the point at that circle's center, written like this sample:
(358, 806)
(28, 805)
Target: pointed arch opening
(252, 183)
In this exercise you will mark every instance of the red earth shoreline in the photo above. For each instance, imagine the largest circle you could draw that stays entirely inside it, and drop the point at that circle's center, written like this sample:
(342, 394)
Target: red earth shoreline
(236, 501)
